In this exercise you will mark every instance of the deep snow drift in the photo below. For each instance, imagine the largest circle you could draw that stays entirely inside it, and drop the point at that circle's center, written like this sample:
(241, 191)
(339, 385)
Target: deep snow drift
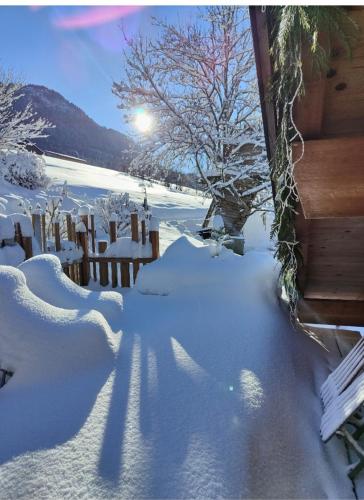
(46, 279)
(212, 394)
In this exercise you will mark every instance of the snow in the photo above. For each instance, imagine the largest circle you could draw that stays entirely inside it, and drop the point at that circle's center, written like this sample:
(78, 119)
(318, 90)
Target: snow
(211, 394)
(39, 342)
(25, 223)
(46, 279)
(125, 247)
(11, 255)
(80, 227)
(69, 252)
(178, 212)
(7, 230)
(196, 387)
(180, 267)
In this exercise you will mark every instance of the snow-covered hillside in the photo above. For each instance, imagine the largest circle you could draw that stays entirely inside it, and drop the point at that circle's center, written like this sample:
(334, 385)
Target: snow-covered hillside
(178, 212)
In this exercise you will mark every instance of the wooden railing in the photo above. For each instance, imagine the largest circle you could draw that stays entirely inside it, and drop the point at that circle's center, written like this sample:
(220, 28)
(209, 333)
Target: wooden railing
(92, 262)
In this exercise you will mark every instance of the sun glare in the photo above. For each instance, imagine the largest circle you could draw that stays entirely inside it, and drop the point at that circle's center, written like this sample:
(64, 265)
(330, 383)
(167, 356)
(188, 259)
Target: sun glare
(143, 121)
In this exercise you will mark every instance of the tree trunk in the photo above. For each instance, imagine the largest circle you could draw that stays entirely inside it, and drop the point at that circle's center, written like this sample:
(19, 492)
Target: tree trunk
(234, 214)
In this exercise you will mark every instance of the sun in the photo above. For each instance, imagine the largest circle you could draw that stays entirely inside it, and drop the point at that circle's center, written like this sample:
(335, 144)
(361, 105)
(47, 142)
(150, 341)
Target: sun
(143, 121)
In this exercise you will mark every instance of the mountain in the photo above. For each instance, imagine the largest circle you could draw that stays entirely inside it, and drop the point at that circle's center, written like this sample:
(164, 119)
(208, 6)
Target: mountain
(75, 133)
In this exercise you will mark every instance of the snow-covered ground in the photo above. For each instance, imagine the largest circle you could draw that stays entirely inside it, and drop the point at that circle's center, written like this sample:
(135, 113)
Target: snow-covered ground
(200, 388)
(178, 212)
(209, 393)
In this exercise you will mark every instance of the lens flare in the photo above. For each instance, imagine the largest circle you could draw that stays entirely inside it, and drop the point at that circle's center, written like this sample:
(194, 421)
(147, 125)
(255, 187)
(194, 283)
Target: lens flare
(143, 121)
(95, 16)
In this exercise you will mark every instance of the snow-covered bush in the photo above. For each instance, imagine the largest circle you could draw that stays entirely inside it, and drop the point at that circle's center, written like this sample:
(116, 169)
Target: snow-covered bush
(115, 203)
(23, 169)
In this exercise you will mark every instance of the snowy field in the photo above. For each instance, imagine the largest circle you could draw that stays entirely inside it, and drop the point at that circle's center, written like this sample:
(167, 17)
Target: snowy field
(178, 212)
(196, 385)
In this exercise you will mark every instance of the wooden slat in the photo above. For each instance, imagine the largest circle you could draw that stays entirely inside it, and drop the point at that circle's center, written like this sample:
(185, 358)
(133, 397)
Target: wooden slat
(331, 312)
(330, 177)
(344, 109)
(309, 111)
(334, 266)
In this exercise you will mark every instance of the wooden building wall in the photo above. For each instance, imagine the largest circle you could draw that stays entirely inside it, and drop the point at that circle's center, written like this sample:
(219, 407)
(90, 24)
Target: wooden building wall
(330, 179)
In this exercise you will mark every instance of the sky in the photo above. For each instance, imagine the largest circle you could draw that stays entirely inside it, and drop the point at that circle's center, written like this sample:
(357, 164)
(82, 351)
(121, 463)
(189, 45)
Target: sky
(77, 51)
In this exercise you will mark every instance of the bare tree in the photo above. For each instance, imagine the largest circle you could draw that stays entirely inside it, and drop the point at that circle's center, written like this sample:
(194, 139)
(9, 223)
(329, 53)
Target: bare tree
(198, 83)
(17, 128)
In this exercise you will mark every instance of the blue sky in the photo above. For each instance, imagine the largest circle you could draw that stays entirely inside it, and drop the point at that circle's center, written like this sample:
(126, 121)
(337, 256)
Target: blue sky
(76, 51)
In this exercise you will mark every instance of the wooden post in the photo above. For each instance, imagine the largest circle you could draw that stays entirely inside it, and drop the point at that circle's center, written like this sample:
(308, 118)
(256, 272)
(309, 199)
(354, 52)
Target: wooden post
(28, 246)
(112, 233)
(135, 237)
(71, 267)
(134, 227)
(69, 227)
(44, 236)
(85, 275)
(74, 235)
(144, 232)
(154, 237)
(18, 237)
(103, 266)
(37, 227)
(93, 234)
(84, 265)
(76, 267)
(57, 236)
(125, 274)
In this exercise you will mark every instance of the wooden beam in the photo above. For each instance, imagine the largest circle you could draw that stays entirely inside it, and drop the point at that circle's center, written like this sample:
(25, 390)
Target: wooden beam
(260, 33)
(331, 312)
(330, 177)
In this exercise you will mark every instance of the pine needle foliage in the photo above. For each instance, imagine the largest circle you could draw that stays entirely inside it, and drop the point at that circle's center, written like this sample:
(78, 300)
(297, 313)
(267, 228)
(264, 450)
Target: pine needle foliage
(297, 31)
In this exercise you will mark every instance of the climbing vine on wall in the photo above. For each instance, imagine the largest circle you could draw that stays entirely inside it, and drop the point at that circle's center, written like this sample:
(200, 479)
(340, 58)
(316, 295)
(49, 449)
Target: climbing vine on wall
(296, 31)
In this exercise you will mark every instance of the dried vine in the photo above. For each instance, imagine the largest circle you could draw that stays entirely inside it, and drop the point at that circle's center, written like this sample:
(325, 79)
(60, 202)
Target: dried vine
(296, 28)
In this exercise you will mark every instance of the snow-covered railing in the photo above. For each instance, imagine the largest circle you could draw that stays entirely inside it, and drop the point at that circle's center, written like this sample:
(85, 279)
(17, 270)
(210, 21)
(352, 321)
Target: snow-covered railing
(122, 252)
(73, 240)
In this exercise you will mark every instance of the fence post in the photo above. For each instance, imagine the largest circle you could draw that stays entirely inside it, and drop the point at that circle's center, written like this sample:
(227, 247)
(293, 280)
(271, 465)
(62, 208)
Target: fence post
(135, 237)
(24, 241)
(57, 236)
(125, 274)
(37, 227)
(112, 233)
(84, 265)
(134, 227)
(44, 236)
(154, 236)
(144, 232)
(28, 246)
(83, 215)
(71, 267)
(93, 244)
(69, 226)
(103, 266)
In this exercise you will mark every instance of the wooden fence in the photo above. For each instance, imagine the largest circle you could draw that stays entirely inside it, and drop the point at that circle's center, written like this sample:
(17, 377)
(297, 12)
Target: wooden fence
(92, 262)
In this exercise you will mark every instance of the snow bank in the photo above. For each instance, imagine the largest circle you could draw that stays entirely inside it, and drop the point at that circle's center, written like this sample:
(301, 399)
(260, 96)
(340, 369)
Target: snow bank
(183, 265)
(46, 279)
(39, 341)
(69, 252)
(7, 230)
(11, 255)
(125, 247)
(25, 224)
